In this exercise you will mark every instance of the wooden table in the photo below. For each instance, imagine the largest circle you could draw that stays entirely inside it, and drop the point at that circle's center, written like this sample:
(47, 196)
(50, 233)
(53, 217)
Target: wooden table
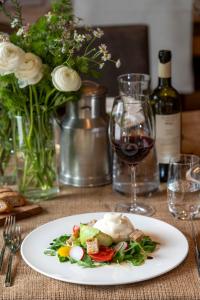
(181, 283)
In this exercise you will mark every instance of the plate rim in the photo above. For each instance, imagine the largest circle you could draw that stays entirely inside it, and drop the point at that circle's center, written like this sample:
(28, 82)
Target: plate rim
(57, 277)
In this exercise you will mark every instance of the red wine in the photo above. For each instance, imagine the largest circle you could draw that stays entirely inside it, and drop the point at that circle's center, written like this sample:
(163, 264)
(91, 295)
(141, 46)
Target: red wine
(133, 149)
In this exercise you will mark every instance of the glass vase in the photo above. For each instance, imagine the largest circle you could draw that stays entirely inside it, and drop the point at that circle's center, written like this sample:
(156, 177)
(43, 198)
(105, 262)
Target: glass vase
(7, 158)
(37, 176)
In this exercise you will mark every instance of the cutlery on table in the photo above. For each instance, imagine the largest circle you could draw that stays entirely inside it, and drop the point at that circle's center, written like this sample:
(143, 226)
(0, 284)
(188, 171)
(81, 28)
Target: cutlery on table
(197, 250)
(7, 229)
(14, 245)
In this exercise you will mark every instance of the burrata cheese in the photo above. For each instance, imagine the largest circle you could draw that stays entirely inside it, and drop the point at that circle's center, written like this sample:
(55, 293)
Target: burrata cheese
(116, 225)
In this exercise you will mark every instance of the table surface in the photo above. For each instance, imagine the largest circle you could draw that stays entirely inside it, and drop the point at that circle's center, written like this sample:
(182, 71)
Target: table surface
(181, 283)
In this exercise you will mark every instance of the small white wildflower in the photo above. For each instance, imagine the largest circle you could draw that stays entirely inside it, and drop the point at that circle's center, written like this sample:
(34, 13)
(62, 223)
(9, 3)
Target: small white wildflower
(102, 48)
(48, 16)
(14, 23)
(98, 33)
(79, 38)
(101, 66)
(106, 56)
(118, 63)
(20, 31)
(88, 36)
(63, 50)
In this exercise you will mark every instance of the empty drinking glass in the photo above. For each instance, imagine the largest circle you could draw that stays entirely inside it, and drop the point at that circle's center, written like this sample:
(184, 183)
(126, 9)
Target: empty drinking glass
(183, 194)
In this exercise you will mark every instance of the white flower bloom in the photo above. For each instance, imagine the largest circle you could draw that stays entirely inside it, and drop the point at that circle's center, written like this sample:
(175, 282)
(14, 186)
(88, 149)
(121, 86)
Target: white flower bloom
(98, 33)
(101, 66)
(63, 49)
(31, 70)
(11, 57)
(49, 16)
(79, 38)
(118, 63)
(20, 31)
(102, 48)
(23, 31)
(106, 56)
(14, 23)
(65, 79)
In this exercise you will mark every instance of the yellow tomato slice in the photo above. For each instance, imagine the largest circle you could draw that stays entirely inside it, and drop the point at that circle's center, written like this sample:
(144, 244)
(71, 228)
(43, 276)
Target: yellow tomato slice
(64, 251)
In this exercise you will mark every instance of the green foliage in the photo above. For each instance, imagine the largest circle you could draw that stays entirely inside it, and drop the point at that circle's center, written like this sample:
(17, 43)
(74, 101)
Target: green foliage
(62, 7)
(58, 40)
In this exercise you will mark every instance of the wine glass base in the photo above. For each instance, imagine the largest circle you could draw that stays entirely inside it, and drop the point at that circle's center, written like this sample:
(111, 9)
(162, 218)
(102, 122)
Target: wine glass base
(139, 209)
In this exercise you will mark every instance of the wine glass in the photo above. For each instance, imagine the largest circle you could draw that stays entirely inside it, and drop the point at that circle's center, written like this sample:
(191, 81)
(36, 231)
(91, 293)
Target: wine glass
(131, 133)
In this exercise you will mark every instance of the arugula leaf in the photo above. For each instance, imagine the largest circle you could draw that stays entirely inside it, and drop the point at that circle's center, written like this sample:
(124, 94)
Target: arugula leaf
(86, 262)
(119, 256)
(138, 259)
(147, 244)
(134, 247)
(58, 242)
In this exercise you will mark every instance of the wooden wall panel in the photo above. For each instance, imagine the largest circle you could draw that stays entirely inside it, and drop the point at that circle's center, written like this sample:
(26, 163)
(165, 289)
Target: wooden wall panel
(191, 132)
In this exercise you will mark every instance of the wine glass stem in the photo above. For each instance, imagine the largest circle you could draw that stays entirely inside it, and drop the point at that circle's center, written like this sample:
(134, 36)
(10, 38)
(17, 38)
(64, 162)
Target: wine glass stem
(133, 187)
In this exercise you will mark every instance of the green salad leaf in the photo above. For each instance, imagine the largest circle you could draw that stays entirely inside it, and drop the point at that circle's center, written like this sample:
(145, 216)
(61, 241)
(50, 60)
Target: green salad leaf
(58, 242)
(148, 245)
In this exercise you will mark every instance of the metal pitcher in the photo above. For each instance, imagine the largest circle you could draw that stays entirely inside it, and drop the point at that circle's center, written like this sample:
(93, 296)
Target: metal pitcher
(84, 145)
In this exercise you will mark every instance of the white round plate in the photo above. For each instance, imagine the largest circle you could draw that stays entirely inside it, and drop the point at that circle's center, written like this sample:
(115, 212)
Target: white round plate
(171, 252)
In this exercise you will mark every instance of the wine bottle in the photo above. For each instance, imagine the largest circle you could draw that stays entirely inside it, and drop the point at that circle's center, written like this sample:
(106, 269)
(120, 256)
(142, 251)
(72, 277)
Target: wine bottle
(166, 106)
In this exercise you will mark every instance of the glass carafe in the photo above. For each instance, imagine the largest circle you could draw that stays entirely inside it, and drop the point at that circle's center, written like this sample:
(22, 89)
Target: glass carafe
(147, 172)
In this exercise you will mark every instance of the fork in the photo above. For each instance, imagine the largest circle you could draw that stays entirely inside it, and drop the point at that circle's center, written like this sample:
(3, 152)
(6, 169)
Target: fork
(8, 227)
(14, 245)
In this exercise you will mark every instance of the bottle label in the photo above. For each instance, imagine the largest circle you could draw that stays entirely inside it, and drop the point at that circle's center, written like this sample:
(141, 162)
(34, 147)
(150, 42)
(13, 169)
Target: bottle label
(164, 70)
(168, 137)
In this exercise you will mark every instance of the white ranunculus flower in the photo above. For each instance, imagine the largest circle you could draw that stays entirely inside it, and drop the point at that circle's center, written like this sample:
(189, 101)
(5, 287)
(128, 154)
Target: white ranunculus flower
(66, 79)
(31, 70)
(11, 57)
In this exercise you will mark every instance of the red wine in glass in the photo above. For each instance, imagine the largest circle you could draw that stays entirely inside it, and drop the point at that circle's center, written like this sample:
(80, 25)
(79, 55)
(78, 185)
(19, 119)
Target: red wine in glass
(133, 149)
(131, 133)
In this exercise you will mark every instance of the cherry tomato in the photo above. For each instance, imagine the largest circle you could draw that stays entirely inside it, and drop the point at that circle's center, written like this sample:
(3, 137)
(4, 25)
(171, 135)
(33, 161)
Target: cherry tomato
(76, 231)
(104, 254)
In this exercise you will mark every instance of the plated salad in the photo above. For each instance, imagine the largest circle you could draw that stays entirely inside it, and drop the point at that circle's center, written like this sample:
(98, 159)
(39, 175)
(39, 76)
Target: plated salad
(112, 239)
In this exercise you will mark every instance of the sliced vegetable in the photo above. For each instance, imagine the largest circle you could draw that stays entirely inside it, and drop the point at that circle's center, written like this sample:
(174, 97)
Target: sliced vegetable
(76, 231)
(104, 254)
(76, 252)
(104, 239)
(64, 251)
(120, 246)
(87, 233)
